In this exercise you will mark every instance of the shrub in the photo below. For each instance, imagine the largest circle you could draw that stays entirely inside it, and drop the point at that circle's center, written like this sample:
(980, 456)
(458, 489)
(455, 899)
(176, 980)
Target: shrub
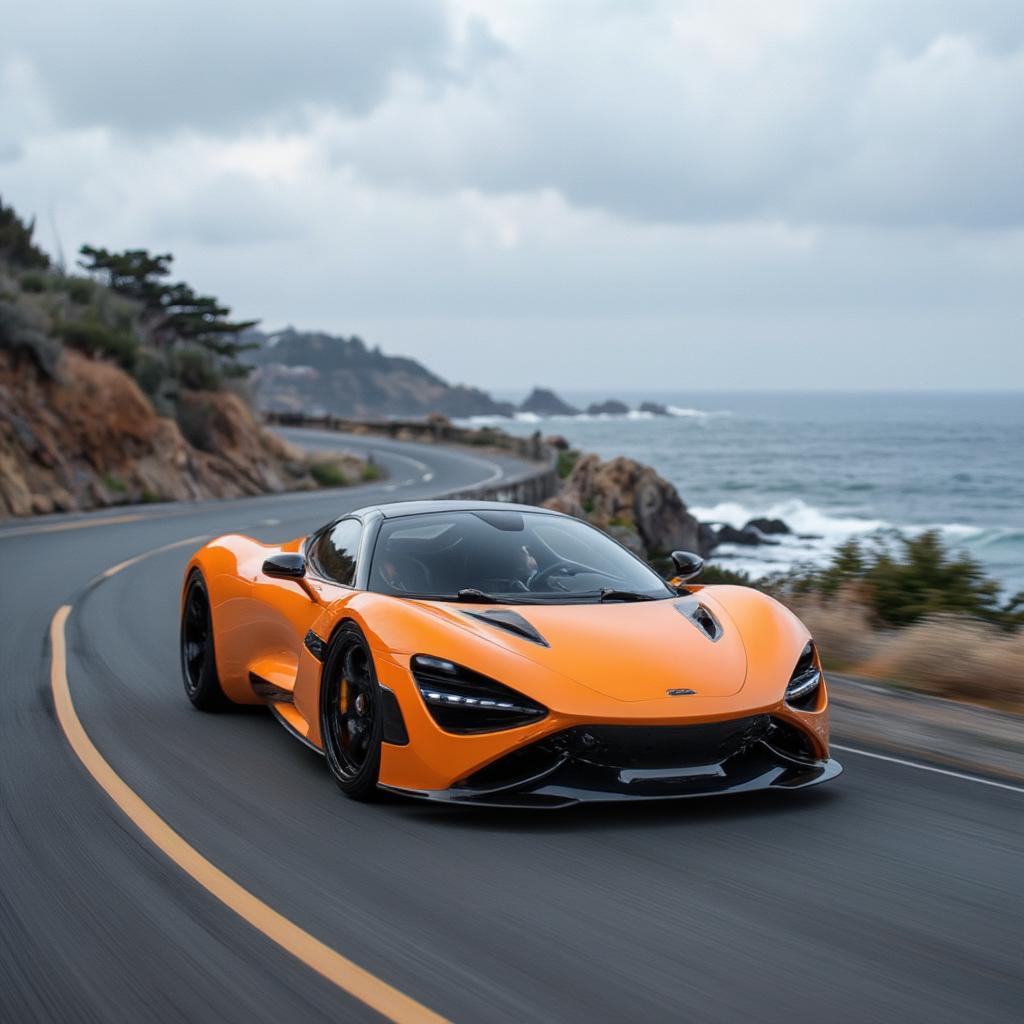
(566, 461)
(16, 244)
(327, 473)
(79, 289)
(920, 578)
(371, 471)
(34, 281)
(198, 417)
(97, 338)
(21, 332)
(196, 369)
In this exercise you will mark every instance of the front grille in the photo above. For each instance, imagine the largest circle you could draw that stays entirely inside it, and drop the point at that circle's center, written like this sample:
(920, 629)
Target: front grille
(661, 746)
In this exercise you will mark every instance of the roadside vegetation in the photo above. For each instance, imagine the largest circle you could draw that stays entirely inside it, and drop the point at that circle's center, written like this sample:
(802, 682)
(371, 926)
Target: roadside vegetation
(915, 613)
(183, 349)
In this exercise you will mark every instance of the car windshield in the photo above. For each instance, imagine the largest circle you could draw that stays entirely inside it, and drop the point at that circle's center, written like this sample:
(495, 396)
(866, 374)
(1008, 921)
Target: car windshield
(528, 557)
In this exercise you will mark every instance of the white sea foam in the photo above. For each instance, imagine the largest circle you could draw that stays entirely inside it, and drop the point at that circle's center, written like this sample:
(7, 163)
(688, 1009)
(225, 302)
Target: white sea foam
(675, 411)
(817, 533)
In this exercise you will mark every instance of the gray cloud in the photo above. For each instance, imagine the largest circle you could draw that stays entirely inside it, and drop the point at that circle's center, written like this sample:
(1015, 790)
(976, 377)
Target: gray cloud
(146, 67)
(788, 194)
(884, 116)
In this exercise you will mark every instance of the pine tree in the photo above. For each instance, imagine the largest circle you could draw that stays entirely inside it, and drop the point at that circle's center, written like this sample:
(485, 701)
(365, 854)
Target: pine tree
(181, 317)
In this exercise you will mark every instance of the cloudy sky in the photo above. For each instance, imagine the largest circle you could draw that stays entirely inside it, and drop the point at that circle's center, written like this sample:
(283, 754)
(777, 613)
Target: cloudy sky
(713, 195)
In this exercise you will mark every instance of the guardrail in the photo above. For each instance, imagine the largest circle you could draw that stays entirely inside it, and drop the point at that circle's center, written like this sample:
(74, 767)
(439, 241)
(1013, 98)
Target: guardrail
(535, 484)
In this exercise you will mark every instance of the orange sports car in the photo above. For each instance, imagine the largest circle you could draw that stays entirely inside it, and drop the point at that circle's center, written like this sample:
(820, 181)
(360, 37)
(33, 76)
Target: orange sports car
(486, 653)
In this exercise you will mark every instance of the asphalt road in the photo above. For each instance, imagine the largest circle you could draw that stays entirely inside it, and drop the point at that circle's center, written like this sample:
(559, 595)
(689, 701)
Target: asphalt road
(892, 894)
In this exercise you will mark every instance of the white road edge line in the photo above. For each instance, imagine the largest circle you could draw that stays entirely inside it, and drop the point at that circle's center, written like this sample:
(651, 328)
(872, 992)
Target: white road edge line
(929, 768)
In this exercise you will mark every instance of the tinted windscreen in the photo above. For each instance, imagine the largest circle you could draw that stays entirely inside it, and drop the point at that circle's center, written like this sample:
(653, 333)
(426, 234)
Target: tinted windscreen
(526, 556)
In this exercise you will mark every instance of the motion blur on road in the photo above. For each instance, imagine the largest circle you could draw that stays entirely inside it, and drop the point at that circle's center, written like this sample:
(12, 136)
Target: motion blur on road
(892, 894)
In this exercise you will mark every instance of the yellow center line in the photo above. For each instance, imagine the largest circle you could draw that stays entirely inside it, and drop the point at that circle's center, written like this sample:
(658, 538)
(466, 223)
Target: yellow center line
(348, 976)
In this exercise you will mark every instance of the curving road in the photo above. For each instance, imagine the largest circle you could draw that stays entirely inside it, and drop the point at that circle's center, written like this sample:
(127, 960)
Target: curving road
(893, 894)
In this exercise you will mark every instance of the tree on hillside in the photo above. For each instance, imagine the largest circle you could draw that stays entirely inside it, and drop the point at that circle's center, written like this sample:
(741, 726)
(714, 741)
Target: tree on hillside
(182, 317)
(16, 245)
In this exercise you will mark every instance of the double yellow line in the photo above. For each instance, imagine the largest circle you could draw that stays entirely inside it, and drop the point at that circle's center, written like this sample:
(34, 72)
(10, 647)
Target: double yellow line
(353, 979)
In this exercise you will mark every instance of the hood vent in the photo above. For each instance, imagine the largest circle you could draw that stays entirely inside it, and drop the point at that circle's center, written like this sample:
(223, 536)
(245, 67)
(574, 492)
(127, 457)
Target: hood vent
(511, 622)
(700, 615)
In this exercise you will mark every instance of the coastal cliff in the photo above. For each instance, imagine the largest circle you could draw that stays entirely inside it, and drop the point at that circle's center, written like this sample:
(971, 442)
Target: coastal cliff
(119, 388)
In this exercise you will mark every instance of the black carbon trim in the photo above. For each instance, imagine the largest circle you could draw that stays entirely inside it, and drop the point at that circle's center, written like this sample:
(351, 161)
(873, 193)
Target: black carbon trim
(268, 690)
(394, 732)
(511, 622)
(315, 645)
(700, 615)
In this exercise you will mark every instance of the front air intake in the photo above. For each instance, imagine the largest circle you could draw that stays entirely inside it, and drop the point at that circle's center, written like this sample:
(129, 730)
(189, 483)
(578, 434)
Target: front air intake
(463, 701)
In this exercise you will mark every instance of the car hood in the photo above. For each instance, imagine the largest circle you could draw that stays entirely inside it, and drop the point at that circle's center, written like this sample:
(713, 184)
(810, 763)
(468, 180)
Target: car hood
(631, 652)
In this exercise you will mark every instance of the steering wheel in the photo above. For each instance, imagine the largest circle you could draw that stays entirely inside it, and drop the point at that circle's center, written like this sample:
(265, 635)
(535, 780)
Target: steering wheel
(541, 580)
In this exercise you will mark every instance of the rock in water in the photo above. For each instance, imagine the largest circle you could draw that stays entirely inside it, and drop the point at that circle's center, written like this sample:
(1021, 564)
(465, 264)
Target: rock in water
(768, 526)
(542, 402)
(654, 408)
(610, 407)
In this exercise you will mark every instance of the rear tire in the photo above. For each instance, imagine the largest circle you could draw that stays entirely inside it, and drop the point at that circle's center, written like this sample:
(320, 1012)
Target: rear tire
(351, 714)
(198, 662)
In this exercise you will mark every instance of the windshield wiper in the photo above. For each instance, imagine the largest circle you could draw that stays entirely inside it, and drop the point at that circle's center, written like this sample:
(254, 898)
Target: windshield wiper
(471, 594)
(611, 594)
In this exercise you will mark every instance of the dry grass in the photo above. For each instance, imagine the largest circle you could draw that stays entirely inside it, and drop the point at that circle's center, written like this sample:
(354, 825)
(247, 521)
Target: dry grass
(945, 655)
(959, 658)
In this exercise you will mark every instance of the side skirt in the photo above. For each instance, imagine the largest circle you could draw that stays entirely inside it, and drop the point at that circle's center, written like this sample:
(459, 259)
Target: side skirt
(291, 730)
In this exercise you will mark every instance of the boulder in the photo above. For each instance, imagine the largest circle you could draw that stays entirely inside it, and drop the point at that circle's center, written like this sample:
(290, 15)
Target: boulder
(768, 527)
(655, 408)
(730, 535)
(542, 402)
(749, 535)
(625, 494)
(609, 407)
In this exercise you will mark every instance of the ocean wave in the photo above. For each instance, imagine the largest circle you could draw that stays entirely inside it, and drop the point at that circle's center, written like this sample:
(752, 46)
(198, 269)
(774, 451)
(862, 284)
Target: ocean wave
(817, 533)
(697, 414)
(672, 411)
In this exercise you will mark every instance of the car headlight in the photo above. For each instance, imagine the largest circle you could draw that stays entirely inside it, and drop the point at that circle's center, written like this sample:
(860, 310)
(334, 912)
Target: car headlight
(463, 701)
(803, 686)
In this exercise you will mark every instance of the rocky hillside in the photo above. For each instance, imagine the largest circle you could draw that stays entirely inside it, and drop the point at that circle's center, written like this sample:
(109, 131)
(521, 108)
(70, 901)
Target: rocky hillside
(104, 401)
(317, 373)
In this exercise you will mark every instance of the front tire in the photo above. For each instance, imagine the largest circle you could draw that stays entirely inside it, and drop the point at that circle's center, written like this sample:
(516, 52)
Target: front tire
(198, 663)
(351, 714)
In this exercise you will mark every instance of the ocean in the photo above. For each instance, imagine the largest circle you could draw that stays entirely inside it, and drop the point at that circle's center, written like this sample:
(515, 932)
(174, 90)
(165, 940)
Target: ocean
(833, 466)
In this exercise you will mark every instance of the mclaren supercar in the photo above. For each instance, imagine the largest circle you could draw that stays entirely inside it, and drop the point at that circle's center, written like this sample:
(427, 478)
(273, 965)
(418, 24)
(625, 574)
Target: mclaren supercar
(496, 654)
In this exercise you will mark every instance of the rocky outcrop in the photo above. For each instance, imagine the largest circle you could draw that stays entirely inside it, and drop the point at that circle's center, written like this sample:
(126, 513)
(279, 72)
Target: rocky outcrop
(768, 527)
(654, 408)
(542, 402)
(630, 501)
(642, 510)
(757, 531)
(88, 437)
(609, 407)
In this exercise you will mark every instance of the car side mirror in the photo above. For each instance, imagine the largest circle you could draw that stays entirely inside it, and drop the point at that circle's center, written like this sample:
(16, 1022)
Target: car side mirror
(285, 566)
(687, 565)
(290, 565)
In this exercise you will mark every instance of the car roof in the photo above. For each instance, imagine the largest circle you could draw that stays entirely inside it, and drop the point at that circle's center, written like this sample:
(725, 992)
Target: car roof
(395, 509)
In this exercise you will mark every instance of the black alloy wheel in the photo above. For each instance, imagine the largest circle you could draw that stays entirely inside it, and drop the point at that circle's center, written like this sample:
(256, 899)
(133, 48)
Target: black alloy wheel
(198, 664)
(351, 713)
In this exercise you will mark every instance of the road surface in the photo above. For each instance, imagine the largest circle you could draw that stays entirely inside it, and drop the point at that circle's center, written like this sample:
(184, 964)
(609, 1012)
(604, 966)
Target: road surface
(892, 894)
